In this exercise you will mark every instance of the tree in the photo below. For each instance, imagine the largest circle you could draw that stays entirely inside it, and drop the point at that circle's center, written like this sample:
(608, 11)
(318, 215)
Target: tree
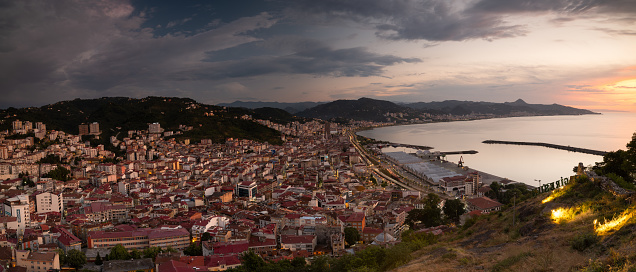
(620, 162)
(135, 254)
(252, 261)
(430, 215)
(98, 259)
(151, 252)
(118, 252)
(170, 250)
(62, 256)
(453, 209)
(321, 263)
(206, 236)
(194, 249)
(352, 235)
(298, 263)
(76, 258)
(59, 173)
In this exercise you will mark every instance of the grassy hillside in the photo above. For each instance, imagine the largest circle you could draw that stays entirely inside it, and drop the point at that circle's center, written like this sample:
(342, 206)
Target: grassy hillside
(580, 227)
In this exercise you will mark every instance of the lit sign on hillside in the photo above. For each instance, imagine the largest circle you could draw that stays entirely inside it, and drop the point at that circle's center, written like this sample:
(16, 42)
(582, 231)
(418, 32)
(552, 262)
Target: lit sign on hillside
(554, 185)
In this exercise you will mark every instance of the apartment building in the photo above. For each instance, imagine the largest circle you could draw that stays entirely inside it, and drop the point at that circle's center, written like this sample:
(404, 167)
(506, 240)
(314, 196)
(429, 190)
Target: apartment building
(140, 239)
(49, 202)
(37, 261)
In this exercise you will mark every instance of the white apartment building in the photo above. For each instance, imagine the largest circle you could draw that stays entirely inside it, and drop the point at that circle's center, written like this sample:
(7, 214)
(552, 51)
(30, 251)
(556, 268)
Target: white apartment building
(49, 202)
(18, 207)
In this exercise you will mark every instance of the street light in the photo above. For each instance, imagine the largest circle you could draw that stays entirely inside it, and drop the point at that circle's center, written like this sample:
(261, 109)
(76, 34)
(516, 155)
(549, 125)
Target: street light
(539, 182)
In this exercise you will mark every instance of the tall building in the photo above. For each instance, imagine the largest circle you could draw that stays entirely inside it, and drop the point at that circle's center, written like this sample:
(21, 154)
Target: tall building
(17, 125)
(94, 128)
(327, 130)
(18, 207)
(83, 129)
(4, 152)
(40, 126)
(49, 202)
(154, 128)
(246, 189)
(27, 125)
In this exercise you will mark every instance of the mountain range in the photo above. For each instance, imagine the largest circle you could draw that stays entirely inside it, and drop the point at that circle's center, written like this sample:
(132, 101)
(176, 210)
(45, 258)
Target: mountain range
(289, 107)
(121, 114)
(367, 109)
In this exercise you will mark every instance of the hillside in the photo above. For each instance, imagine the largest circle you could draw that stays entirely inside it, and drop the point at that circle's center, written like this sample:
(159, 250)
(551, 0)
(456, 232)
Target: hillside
(507, 108)
(289, 107)
(116, 115)
(568, 229)
(363, 109)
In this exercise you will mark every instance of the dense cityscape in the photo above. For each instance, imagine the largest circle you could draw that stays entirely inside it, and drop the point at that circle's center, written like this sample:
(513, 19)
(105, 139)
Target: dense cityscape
(320, 193)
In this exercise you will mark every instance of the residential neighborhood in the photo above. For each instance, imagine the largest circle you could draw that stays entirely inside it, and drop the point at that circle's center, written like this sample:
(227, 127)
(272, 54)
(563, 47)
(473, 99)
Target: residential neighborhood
(279, 201)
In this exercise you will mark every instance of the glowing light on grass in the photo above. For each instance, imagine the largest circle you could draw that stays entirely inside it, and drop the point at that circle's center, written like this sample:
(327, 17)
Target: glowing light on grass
(548, 199)
(614, 224)
(563, 215)
(556, 193)
(558, 213)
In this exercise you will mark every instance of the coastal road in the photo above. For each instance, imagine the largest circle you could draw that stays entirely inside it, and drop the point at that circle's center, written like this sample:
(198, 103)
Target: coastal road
(409, 183)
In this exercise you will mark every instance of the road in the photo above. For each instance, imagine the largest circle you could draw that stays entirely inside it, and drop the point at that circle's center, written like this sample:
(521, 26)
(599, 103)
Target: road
(405, 180)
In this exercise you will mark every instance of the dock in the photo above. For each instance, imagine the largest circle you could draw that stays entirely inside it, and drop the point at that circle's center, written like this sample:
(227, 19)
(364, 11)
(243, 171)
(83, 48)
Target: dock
(548, 145)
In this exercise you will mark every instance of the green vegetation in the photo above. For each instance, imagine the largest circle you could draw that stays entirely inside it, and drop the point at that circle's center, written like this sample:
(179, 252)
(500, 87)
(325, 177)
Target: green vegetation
(98, 259)
(51, 159)
(117, 115)
(118, 252)
(429, 216)
(620, 181)
(59, 173)
(622, 163)
(352, 236)
(584, 241)
(75, 258)
(194, 249)
(506, 194)
(20, 136)
(373, 258)
(453, 209)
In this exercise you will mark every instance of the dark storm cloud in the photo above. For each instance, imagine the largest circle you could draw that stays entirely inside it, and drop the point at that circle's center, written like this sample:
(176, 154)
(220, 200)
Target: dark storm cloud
(561, 6)
(440, 20)
(515, 6)
(299, 56)
(57, 50)
(433, 20)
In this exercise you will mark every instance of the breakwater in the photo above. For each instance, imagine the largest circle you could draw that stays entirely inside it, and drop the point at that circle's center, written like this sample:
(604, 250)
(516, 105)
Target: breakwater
(459, 152)
(555, 146)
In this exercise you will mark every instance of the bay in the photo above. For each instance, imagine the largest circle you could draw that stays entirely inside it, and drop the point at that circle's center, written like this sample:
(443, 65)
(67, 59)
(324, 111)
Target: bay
(609, 131)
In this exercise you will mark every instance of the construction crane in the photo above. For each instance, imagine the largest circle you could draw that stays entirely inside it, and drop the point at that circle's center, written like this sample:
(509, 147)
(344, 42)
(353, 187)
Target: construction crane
(460, 164)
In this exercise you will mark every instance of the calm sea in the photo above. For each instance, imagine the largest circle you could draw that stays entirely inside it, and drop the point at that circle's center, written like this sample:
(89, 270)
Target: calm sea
(607, 132)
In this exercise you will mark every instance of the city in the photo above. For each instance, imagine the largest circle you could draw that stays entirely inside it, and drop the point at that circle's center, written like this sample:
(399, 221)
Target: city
(281, 202)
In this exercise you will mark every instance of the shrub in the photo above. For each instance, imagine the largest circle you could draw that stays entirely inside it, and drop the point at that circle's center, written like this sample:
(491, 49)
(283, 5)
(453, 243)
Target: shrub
(583, 241)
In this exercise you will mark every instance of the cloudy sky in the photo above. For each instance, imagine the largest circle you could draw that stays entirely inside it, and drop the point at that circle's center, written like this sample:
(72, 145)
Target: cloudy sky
(574, 52)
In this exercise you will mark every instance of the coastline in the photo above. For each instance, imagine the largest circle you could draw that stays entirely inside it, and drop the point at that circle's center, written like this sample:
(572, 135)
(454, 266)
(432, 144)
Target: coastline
(502, 161)
(356, 130)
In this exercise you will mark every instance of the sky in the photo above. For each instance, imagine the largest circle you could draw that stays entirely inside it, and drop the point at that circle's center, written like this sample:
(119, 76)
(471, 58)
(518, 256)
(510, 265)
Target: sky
(580, 53)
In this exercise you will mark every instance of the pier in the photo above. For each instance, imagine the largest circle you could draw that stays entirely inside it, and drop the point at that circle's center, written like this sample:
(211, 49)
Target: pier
(459, 152)
(555, 146)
